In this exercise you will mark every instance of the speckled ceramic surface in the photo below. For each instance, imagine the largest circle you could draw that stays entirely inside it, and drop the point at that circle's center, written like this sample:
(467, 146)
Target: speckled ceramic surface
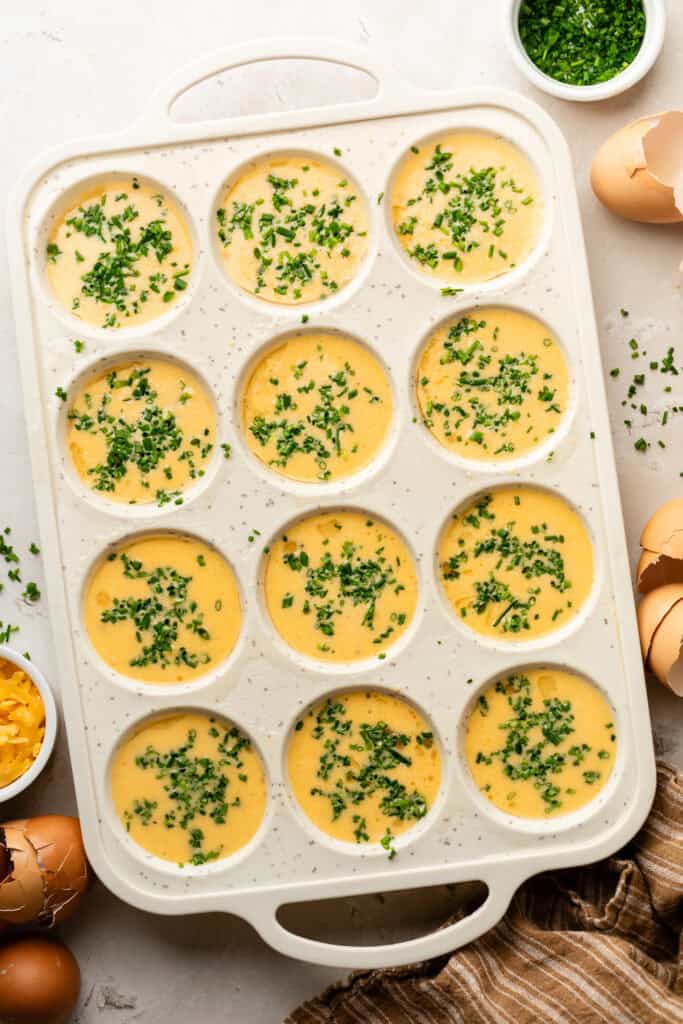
(413, 484)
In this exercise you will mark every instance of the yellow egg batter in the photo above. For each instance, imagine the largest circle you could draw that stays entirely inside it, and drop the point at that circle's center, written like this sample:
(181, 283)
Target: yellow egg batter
(141, 432)
(163, 608)
(516, 564)
(466, 207)
(121, 255)
(189, 788)
(492, 384)
(541, 742)
(364, 767)
(317, 407)
(292, 228)
(340, 586)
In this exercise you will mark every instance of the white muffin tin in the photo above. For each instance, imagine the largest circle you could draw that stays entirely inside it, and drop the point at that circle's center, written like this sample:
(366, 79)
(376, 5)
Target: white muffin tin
(414, 485)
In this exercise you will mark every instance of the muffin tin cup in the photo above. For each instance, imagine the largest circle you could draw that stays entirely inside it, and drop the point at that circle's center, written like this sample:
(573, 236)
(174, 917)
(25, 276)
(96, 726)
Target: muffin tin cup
(263, 686)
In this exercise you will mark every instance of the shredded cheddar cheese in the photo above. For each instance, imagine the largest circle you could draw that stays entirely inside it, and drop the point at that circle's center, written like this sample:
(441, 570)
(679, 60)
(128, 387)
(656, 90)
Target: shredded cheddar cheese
(22, 722)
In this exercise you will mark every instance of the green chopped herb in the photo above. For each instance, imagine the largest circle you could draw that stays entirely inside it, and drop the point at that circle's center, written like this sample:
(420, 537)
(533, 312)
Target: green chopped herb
(31, 593)
(582, 42)
(113, 278)
(198, 788)
(159, 615)
(360, 761)
(141, 437)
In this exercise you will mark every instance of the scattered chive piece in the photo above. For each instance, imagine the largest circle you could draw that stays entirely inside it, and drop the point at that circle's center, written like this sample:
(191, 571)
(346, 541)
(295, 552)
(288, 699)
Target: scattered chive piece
(31, 593)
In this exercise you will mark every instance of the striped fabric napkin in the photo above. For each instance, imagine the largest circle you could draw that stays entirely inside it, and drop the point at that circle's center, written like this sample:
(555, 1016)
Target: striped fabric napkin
(596, 944)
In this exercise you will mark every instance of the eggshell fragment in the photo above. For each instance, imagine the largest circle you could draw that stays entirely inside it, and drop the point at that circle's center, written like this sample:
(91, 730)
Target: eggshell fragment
(665, 650)
(661, 561)
(39, 982)
(47, 872)
(61, 859)
(664, 531)
(663, 150)
(652, 610)
(21, 891)
(657, 570)
(638, 172)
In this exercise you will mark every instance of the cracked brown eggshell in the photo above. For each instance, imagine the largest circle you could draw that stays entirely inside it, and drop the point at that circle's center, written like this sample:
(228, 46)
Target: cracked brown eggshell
(661, 560)
(660, 625)
(657, 570)
(665, 651)
(638, 172)
(48, 871)
(21, 890)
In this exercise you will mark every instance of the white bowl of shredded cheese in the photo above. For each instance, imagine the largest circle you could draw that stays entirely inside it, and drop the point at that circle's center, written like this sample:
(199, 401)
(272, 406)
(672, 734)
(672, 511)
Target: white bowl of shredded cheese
(27, 708)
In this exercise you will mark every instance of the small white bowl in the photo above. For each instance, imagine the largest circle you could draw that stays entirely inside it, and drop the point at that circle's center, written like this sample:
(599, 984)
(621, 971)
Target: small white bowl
(655, 25)
(29, 776)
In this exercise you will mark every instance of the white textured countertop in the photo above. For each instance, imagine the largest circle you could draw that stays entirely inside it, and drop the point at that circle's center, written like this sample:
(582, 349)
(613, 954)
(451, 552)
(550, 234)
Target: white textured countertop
(90, 67)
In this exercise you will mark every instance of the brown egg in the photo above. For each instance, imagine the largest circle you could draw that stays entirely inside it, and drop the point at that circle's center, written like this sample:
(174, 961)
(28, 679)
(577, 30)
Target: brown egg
(662, 541)
(665, 651)
(39, 982)
(638, 172)
(660, 625)
(48, 870)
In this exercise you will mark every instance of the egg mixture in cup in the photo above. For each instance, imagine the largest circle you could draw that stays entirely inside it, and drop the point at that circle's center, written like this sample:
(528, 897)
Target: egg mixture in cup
(493, 387)
(516, 565)
(189, 790)
(339, 590)
(538, 748)
(465, 208)
(365, 771)
(117, 252)
(140, 433)
(291, 228)
(317, 409)
(163, 609)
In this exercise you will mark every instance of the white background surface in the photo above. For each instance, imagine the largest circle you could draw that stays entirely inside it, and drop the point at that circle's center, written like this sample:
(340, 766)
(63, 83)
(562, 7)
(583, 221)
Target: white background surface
(82, 66)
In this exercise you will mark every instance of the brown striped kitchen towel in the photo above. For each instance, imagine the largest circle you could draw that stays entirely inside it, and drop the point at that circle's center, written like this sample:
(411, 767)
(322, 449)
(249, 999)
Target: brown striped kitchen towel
(595, 944)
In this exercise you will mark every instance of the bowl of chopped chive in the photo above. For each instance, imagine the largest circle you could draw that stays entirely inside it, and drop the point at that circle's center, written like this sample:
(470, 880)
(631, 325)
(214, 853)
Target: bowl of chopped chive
(584, 49)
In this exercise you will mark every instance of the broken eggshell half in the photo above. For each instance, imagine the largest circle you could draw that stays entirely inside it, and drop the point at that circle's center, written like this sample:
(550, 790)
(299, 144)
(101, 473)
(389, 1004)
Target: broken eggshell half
(638, 172)
(660, 625)
(661, 560)
(46, 871)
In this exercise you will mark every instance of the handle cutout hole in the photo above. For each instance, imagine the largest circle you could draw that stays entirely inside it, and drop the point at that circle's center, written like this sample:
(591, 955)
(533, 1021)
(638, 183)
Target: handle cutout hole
(377, 919)
(271, 85)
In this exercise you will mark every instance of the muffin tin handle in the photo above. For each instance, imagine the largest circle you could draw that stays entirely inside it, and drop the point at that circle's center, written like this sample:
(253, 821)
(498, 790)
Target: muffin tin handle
(501, 889)
(389, 83)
